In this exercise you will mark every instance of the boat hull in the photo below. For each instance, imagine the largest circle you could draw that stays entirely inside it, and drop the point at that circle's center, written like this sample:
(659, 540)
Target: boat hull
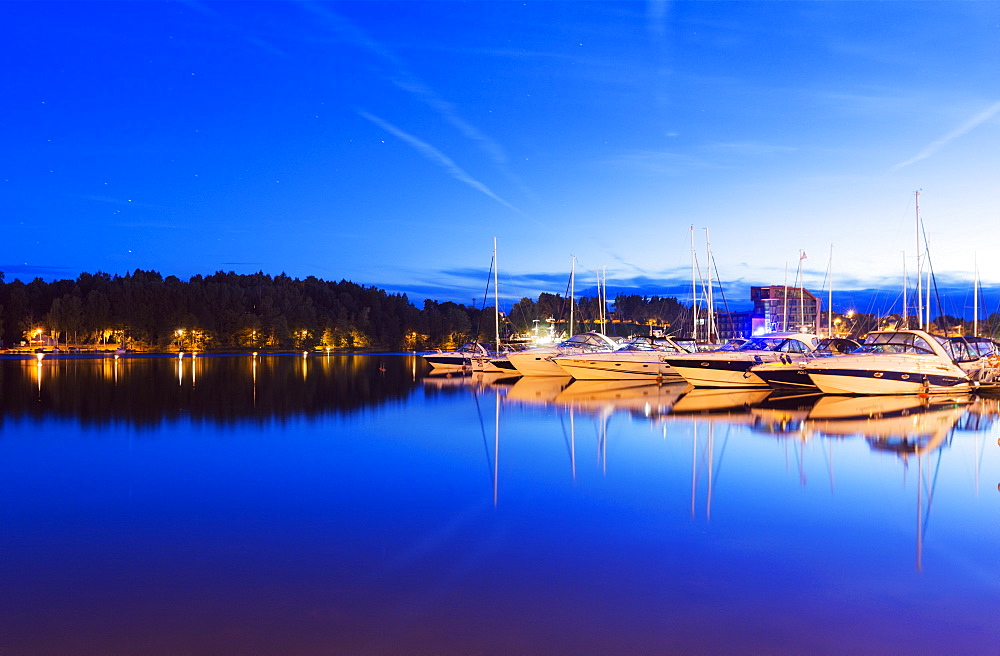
(717, 372)
(535, 364)
(861, 381)
(448, 361)
(888, 374)
(786, 377)
(596, 368)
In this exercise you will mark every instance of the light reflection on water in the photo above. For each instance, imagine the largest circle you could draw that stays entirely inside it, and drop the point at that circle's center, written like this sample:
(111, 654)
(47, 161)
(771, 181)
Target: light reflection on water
(355, 504)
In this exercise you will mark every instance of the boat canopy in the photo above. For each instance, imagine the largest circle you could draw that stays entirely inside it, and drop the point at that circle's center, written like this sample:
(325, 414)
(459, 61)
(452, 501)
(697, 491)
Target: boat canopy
(897, 342)
(785, 343)
(591, 339)
(644, 343)
(967, 349)
(475, 348)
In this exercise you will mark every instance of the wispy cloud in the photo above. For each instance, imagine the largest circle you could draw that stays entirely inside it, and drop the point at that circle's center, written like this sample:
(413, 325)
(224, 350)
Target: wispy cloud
(656, 17)
(405, 80)
(960, 131)
(750, 148)
(234, 28)
(436, 156)
(448, 112)
(46, 272)
(656, 162)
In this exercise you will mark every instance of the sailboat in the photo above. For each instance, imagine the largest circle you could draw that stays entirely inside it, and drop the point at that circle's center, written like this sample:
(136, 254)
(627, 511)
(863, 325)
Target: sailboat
(495, 361)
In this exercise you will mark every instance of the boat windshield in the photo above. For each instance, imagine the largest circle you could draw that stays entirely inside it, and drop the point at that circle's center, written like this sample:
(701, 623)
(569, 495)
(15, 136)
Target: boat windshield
(834, 345)
(651, 344)
(475, 348)
(896, 343)
(967, 349)
(688, 345)
(783, 344)
(640, 344)
(587, 339)
(731, 345)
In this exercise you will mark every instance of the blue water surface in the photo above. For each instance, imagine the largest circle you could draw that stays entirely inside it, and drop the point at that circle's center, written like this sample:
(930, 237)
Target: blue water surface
(359, 505)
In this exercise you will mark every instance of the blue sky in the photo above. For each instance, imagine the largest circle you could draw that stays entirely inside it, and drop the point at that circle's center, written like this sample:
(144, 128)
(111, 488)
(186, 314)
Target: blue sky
(388, 142)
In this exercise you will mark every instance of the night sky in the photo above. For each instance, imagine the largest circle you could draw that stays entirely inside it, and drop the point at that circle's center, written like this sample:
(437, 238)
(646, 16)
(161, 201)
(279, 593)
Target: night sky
(387, 143)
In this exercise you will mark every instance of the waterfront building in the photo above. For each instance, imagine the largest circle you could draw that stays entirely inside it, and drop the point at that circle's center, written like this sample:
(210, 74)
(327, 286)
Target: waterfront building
(782, 308)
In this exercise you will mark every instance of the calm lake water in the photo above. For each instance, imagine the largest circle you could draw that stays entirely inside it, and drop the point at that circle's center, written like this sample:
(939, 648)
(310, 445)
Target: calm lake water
(358, 505)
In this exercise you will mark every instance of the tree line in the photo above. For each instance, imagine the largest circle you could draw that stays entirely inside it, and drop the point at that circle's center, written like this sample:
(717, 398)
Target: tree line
(145, 310)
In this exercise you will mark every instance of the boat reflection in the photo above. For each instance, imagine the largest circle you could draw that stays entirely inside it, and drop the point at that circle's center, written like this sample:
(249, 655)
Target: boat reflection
(907, 427)
(538, 389)
(783, 414)
(904, 423)
(710, 401)
(640, 398)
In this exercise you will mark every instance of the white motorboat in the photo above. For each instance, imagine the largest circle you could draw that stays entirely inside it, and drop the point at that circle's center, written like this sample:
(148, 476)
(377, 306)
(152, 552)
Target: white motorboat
(640, 359)
(730, 366)
(460, 358)
(979, 357)
(785, 374)
(539, 361)
(892, 362)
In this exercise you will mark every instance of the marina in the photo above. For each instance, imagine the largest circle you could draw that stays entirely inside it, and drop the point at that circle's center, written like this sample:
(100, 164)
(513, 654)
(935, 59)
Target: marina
(367, 504)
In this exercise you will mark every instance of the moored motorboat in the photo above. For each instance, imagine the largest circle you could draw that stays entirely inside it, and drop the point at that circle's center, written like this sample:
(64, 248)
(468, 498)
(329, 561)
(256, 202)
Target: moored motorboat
(460, 358)
(495, 364)
(786, 374)
(892, 362)
(730, 367)
(979, 357)
(539, 361)
(640, 359)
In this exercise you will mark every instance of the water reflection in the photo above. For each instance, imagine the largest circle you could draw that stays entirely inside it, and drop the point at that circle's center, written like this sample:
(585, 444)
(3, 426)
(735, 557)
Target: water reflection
(408, 508)
(222, 389)
(901, 424)
(907, 427)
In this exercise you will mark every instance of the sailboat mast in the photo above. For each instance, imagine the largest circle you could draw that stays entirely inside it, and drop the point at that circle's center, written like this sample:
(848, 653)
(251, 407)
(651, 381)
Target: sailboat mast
(604, 303)
(694, 291)
(572, 290)
(975, 298)
(802, 294)
(602, 296)
(829, 299)
(708, 295)
(905, 317)
(927, 305)
(784, 310)
(496, 297)
(920, 291)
